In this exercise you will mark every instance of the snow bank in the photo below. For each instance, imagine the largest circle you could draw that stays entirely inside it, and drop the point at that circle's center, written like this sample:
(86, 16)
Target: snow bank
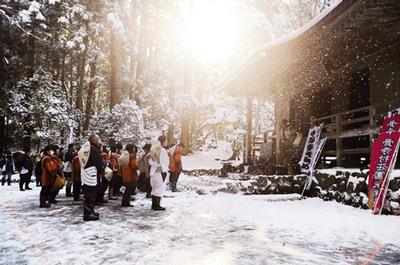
(210, 158)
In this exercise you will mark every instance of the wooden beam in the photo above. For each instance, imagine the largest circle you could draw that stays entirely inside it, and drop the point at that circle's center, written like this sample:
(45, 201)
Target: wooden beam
(339, 141)
(348, 151)
(249, 130)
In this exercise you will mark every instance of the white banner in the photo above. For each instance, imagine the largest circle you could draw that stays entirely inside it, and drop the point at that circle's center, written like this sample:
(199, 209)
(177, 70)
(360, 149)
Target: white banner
(314, 162)
(310, 149)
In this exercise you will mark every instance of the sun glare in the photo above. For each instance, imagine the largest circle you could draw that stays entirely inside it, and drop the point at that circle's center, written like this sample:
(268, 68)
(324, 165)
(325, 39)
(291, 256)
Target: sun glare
(210, 33)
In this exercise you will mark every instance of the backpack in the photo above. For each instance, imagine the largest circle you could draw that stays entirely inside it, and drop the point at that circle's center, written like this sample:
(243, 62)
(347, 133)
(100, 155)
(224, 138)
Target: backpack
(84, 154)
(123, 160)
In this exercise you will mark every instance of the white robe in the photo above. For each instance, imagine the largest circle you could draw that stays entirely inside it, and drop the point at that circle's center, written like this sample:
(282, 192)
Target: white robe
(156, 167)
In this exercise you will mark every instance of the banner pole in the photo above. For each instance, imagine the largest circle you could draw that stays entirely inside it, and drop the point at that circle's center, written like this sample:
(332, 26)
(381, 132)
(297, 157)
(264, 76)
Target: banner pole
(385, 185)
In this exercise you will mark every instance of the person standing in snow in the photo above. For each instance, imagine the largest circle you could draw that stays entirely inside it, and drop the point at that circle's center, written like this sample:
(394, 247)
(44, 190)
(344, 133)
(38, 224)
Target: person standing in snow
(76, 177)
(159, 162)
(48, 174)
(91, 175)
(129, 175)
(144, 168)
(58, 164)
(38, 168)
(7, 168)
(104, 182)
(175, 165)
(112, 190)
(68, 156)
(26, 171)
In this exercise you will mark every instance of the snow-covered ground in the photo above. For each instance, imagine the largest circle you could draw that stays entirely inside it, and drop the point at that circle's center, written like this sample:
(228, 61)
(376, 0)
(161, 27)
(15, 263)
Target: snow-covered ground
(215, 228)
(209, 159)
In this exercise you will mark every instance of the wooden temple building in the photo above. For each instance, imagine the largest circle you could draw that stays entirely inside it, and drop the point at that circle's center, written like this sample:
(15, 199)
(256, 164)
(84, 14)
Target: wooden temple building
(342, 69)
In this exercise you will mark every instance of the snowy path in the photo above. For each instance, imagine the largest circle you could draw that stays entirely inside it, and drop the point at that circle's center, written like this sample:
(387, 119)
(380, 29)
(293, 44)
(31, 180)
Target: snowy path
(195, 229)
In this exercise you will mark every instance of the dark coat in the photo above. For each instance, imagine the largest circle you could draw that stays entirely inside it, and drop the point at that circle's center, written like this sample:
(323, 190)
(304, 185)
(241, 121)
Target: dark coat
(95, 159)
(27, 163)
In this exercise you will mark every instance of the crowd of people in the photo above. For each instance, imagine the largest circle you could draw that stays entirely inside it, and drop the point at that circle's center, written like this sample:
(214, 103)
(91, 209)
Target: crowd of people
(97, 172)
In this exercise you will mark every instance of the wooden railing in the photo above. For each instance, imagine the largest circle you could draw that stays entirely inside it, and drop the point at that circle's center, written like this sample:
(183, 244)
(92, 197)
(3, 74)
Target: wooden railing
(362, 122)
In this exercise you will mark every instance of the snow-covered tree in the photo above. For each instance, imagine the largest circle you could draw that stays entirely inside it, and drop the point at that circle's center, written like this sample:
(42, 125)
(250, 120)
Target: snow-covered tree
(39, 104)
(124, 123)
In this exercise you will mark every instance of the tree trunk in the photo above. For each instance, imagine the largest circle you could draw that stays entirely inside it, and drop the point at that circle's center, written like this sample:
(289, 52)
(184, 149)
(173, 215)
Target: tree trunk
(3, 139)
(115, 83)
(71, 80)
(64, 87)
(185, 132)
(90, 97)
(171, 128)
(2, 60)
(27, 130)
(81, 74)
(31, 54)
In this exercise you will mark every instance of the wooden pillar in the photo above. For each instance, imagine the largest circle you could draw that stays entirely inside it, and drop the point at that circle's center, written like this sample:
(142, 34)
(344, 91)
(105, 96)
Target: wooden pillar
(372, 124)
(339, 141)
(249, 130)
(171, 127)
(3, 139)
(278, 131)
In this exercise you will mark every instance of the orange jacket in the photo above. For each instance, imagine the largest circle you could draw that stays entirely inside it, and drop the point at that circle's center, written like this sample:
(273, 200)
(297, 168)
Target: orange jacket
(129, 173)
(76, 169)
(114, 163)
(50, 167)
(175, 161)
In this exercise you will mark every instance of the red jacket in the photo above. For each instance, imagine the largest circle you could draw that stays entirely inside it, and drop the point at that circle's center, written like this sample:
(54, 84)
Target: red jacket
(175, 161)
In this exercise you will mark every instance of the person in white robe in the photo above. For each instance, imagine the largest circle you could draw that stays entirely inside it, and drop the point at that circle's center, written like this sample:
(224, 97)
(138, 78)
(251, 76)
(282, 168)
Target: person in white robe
(159, 161)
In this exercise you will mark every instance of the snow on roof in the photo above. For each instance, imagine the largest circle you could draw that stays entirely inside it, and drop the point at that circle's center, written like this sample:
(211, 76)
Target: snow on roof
(262, 48)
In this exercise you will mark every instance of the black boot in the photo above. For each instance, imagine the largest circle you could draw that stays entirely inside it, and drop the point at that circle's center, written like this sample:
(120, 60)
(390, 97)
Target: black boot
(110, 194)
(27, 181)
(21, 185)
(42, 198)
(68, 192)
(173, 186)
(93, 212)
(52, 197)
(158, 207)
(153, 202)
(89, 213)
(45, 205)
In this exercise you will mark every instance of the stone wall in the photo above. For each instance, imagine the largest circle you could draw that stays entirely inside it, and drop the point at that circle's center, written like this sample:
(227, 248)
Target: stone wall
(350, 188)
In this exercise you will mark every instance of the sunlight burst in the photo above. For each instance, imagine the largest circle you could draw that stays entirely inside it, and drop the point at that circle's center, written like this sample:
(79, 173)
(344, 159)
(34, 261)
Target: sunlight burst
(211, 32)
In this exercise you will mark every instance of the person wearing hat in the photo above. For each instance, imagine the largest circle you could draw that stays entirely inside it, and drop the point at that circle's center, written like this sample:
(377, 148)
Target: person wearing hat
(48, 173)
(58, 164)
(158, 161)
